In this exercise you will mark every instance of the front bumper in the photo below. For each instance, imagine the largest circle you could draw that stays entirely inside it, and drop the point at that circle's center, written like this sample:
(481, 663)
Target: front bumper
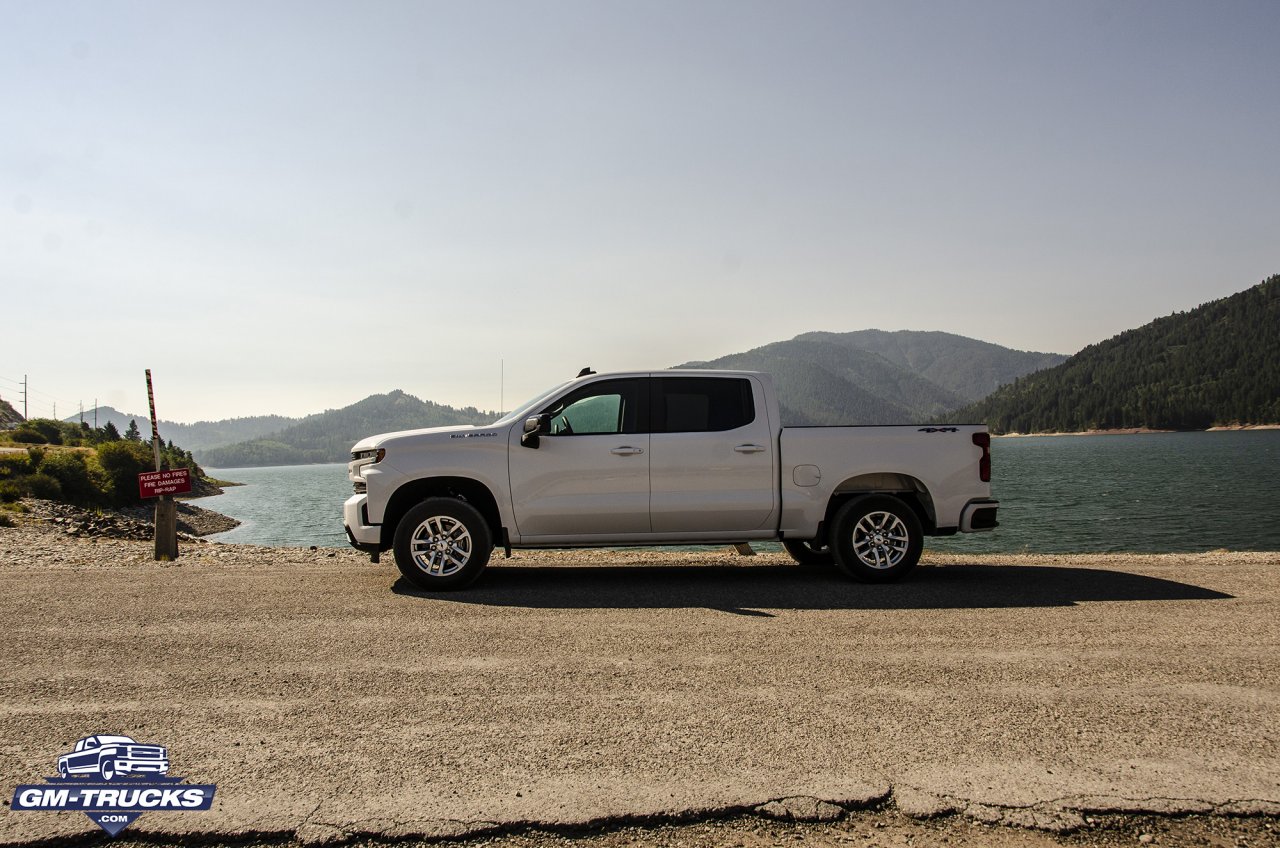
(143, 766)
(355, 516)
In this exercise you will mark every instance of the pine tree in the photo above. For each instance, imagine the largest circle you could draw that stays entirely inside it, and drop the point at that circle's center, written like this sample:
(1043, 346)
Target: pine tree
(133, 434)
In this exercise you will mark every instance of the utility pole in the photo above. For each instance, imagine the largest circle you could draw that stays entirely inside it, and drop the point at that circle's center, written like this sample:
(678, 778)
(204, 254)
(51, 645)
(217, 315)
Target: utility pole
(24, 396)
(95, 413)
(81, 413)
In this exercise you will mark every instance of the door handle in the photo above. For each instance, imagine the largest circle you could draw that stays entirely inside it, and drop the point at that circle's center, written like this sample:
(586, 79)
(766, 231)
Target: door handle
(626, 451)
(749, 448)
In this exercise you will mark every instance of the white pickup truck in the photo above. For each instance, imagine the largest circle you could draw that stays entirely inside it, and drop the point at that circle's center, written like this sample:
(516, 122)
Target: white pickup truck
(664, 458)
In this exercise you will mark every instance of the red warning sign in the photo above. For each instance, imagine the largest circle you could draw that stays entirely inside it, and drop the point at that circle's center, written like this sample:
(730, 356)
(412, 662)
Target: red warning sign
(152, 484)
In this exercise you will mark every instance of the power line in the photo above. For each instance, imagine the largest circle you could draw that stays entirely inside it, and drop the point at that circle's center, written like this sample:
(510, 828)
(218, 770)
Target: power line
(48, 396)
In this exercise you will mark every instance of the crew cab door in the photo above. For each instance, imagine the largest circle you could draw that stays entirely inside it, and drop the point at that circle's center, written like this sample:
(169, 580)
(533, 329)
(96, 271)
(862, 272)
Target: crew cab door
(713, 466)
(590, 475)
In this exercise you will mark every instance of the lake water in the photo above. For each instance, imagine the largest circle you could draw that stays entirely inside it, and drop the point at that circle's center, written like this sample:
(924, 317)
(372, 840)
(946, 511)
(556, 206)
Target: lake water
(283, 505)
(1160, 493)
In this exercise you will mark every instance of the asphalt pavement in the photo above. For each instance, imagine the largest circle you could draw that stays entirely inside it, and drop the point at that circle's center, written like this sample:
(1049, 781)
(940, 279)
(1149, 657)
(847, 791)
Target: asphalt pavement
(325, 697)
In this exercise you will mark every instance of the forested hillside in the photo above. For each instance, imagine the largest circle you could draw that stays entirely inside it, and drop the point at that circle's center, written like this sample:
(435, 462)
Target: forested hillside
(74, 463)
(1218, 364)
(328, 436)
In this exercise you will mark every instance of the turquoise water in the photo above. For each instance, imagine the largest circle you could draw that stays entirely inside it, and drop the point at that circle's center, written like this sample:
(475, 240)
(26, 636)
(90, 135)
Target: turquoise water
(1163, 492)
(283, 505)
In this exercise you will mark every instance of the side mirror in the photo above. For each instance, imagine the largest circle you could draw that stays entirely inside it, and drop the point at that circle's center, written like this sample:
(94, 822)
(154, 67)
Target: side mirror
(534, 427)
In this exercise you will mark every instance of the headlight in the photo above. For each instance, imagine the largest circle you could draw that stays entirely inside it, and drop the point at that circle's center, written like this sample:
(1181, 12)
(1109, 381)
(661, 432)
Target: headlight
(375, 455)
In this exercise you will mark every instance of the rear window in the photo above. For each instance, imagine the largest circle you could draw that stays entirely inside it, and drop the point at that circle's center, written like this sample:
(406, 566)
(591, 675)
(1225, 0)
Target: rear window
(701, 404)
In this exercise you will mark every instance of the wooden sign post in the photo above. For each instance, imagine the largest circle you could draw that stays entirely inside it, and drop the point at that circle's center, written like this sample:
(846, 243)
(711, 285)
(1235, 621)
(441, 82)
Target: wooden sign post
(166, 509)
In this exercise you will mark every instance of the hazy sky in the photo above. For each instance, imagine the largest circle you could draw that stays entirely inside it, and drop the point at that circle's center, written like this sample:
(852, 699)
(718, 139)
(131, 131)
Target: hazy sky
(285, 207)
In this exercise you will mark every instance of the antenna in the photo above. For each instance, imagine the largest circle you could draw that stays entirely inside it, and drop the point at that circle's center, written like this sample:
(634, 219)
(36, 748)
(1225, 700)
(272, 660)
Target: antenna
(502, 387)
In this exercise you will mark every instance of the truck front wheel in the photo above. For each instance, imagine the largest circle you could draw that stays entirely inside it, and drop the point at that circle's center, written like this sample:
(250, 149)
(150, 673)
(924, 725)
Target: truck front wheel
(876, 539)
(442, 543)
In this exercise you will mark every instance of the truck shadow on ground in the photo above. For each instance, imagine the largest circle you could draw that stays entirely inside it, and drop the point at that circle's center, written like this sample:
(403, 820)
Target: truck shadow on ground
(747, 590)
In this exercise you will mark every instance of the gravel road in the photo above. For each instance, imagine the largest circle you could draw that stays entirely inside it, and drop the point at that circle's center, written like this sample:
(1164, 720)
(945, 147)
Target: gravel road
(326, 698)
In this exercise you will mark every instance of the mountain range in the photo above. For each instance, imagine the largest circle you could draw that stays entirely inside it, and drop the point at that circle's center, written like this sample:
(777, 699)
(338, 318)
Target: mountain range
(1216, 364)
(328, 436)
(878, 377)
(192, 437)
(869, 377)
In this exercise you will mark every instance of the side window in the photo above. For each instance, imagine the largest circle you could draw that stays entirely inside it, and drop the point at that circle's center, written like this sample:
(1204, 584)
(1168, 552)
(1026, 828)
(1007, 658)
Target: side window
(702, 404)
(609, 406)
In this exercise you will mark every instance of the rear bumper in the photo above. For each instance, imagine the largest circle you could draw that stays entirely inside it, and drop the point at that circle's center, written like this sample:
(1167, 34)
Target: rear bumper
(979, 516)
(360, 533)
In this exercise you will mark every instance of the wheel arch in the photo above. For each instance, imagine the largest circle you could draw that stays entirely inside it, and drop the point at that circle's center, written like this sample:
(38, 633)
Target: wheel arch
(910, 490)
(461, 488)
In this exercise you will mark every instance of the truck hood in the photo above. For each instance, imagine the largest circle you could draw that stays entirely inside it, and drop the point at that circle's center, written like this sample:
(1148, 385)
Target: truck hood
(417, 437)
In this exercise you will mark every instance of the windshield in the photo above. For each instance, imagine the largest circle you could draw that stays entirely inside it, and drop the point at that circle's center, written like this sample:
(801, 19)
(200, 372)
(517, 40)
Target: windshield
(534, 403)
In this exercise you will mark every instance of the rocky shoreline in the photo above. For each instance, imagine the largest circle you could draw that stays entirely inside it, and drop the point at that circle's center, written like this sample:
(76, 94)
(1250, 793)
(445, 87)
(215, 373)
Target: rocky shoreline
(136, 523)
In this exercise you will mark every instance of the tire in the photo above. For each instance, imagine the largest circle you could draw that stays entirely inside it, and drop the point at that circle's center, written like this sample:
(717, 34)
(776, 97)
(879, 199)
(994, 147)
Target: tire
(63, 771)
(876, 539)
(442, 543)
(107, 768)
(809, 551)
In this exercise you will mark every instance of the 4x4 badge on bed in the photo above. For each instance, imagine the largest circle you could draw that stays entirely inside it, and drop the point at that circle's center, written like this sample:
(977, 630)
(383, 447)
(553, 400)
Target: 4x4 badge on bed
(113, 780)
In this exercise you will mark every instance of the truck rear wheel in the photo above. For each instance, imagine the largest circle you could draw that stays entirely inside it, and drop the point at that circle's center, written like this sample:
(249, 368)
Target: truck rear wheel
(876, 539)
(442, 543)
(808, 551)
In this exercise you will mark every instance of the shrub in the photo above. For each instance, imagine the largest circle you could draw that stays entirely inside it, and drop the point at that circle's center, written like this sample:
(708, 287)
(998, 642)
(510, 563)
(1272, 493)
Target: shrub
(11, 490)
(47, 427)
(122, 462)
(27, 436)
(42, 486)
(69, 469)
(14, 465)
(36, 455)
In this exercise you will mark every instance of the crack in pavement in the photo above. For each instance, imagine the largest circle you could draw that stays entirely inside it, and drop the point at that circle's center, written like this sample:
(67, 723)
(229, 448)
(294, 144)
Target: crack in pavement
(1060, 815)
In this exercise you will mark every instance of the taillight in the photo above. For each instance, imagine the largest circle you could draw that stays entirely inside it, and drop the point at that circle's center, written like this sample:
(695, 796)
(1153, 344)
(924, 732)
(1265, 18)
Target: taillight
(983, 440)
